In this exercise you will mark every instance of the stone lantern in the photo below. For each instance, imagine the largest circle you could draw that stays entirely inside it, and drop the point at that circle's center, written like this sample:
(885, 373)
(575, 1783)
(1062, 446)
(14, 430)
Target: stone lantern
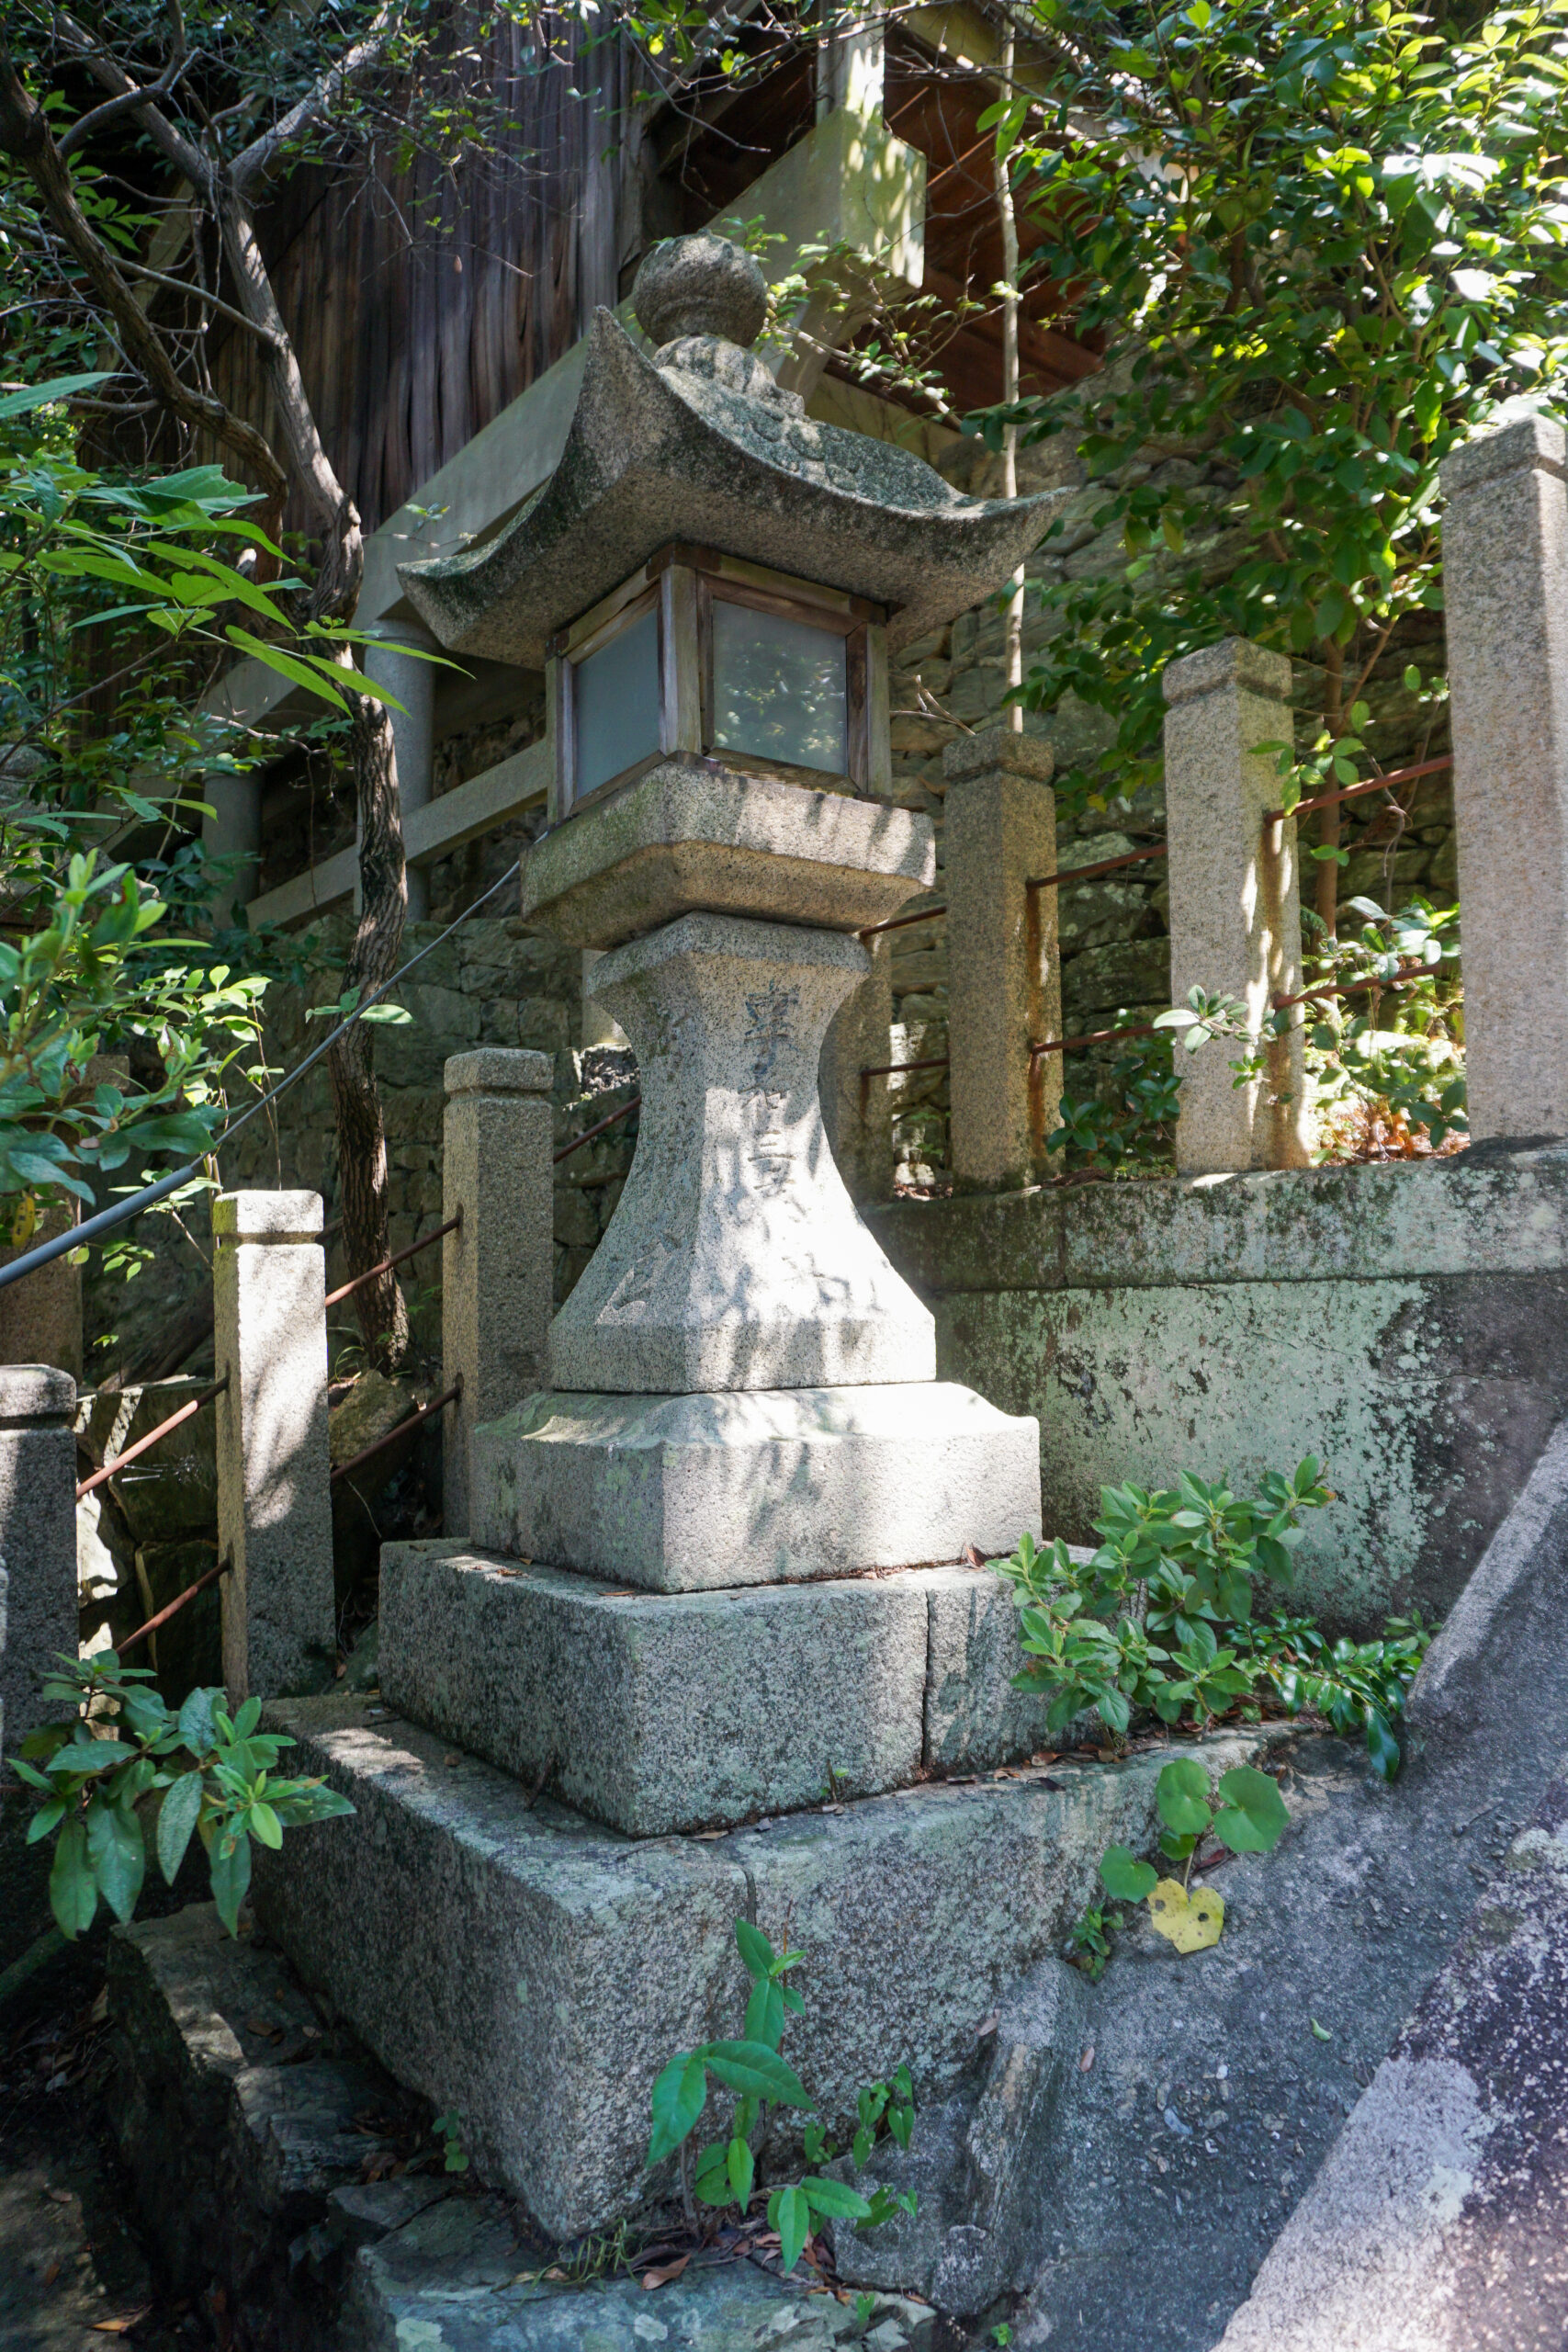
(714, 1567)
(742, 1388)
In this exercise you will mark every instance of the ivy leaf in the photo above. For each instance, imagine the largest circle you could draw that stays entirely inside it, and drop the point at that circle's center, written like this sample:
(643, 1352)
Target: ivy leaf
(1254, 1815)
(1181, 1795)
(741, 2165)
(1125, 1879)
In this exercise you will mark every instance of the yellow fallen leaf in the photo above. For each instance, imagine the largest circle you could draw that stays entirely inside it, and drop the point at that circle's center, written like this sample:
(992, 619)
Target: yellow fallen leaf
(1191, 1923)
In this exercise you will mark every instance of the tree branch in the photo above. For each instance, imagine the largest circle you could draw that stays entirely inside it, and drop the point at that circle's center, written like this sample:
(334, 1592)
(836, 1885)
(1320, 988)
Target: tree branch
(24, 136)
(198, 294)
(253, 161)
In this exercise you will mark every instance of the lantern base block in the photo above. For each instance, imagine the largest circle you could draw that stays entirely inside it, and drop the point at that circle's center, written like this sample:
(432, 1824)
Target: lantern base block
(660, 1713)
(753, 1486)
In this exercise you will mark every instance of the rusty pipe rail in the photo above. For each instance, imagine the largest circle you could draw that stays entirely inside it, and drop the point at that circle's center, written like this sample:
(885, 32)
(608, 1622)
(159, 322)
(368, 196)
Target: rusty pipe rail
(192, 1405)
(173, 1608)
(397, 1259)
(1106, 865)
(588, 1133)
(902, 922)
(1354, 791)
(414, 1420)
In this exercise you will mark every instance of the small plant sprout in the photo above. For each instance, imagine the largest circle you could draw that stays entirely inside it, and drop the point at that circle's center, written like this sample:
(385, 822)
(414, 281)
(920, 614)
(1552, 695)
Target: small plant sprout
(753, 2070)
(448, 2129)
(1249, 1816)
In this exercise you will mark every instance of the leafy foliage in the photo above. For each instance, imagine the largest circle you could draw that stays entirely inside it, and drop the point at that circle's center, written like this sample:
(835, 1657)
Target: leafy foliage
(1135, 1628)
(1326, 243)
(1123, 1124)
(1385, 1034)
(753, 2069)
(213, 1773)
(1160, 1621)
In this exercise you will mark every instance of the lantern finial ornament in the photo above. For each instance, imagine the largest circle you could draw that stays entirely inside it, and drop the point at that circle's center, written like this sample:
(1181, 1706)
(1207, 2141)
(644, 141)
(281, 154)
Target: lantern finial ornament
(700, 285)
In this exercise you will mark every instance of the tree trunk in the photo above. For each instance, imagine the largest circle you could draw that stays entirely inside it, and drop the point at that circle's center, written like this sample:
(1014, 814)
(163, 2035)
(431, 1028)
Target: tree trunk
(1013, 616)
(1328, 819)
(361, 1136)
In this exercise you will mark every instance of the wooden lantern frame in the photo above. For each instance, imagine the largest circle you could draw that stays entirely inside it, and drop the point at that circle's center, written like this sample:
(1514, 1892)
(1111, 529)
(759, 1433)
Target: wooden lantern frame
(681, 585)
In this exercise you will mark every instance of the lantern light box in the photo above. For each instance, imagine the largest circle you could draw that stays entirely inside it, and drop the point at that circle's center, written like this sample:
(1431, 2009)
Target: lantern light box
(701, 654)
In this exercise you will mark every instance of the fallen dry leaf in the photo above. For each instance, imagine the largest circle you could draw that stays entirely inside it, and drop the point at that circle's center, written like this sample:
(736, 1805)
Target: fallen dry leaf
(1086, 2061)
(121, 2324)
(51, 2274)
(987, 2025)
(62, 2196)
(661, 2278)
(1191, 1923)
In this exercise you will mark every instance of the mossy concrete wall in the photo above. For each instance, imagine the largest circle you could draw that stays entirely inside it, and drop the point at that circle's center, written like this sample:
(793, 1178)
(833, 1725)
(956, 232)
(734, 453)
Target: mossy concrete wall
(1408, 1324)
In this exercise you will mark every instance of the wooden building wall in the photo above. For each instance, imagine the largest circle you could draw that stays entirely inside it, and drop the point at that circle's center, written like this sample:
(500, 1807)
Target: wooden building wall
(419, 311)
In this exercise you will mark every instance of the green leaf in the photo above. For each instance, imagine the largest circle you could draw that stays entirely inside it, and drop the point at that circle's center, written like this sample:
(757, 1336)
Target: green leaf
(791, 2216)
(765, 2013)
(741, 2167)
(118, 1855)
(46, 1818)
(756, 1952)
(1253, 1817)
(177, 1819)
(710, 2178)
(1181, 1795)
(835, 2200)
(301, 672)
(58, 388)
(678, 2097)
(1381, 1745)
(761, 2073)
(73, 1893)
(265, 1824)
(230, 1866)
(1125, 1879)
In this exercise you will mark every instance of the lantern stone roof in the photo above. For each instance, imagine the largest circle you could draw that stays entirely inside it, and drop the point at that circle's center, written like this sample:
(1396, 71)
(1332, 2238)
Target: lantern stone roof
(698, 445)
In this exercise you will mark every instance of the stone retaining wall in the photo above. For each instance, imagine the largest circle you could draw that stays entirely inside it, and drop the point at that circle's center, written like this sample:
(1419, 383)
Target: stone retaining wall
(1404, 1323)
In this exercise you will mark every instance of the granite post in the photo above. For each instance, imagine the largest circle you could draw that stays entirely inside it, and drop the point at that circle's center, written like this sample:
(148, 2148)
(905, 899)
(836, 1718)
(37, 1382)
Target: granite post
(858, 1112)
(1505, 588)
(1235, 924)
(38, 1536)
(40, 1316)
(496, 1268)
(273, 1499)
(388, 662)
(1005, 986)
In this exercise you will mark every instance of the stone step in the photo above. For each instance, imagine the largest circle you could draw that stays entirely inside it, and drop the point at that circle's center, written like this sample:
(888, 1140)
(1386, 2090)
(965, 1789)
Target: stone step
(516, 1962)
(675, 1712)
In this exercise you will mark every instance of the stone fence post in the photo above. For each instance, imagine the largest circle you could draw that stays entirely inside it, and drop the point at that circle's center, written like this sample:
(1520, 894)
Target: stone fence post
(1235, 923)
(1004, 991)
(859, 1115)
(274, 1518)
(38, 1537)
(1505, 593)
(498, 1269)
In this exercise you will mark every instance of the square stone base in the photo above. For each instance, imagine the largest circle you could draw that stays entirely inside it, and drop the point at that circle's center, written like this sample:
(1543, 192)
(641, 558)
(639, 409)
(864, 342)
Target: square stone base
(662, 1712)
(749, 1487)
(513, 1962)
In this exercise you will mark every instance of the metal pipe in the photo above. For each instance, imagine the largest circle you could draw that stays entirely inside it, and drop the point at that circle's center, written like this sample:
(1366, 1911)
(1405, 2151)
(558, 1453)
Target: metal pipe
(1353, 791)
(902, 922)
(192, 1405)
(178, 1603)
(412, 1420)
(396, 1259)
(1106, 865)
(588, 1133)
